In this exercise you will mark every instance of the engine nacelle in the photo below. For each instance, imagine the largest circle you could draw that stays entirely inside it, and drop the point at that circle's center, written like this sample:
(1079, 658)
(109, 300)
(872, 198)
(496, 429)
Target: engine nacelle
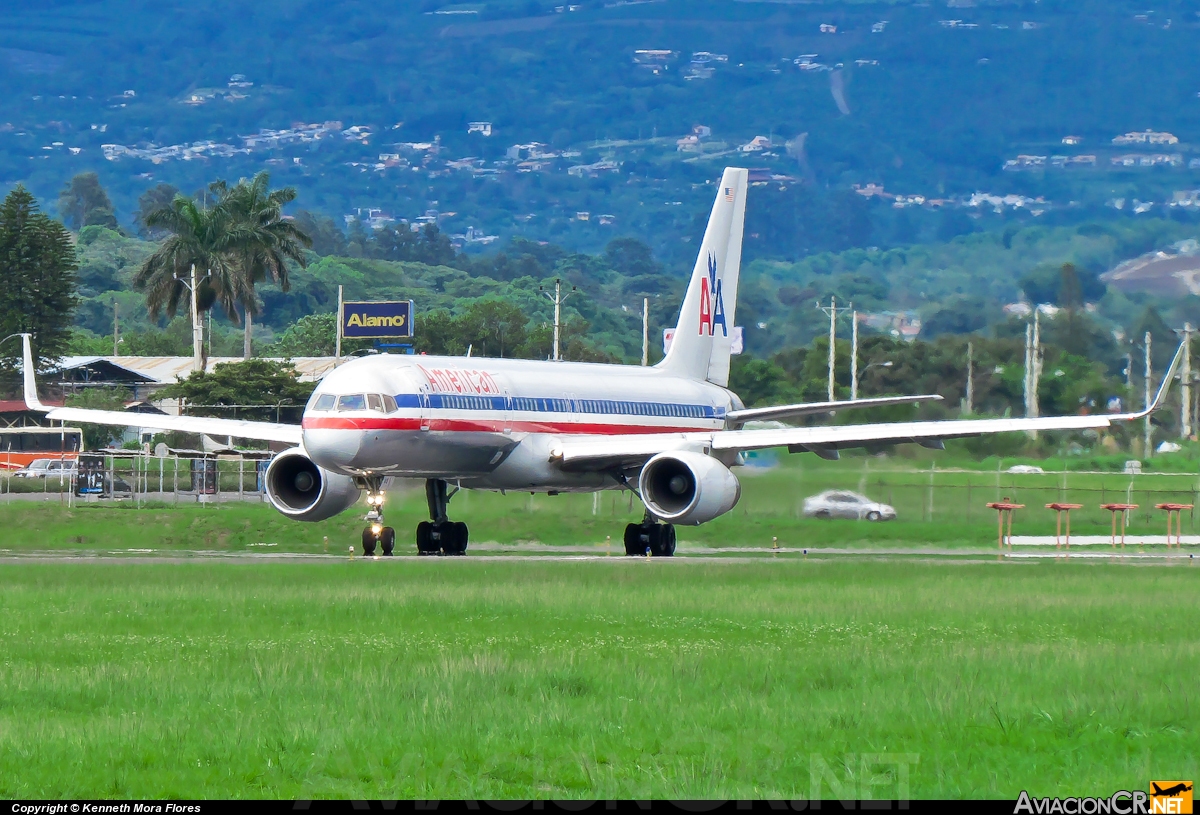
(682, 487)
(305, 492)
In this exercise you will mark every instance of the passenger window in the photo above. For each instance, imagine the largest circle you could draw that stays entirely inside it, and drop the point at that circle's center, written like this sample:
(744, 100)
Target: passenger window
(389, 403)
(375, 402)
(354, 401)
(325, 402)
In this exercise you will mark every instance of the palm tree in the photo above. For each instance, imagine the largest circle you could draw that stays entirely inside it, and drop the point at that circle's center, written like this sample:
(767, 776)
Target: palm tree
(197, 236)
(261, 240)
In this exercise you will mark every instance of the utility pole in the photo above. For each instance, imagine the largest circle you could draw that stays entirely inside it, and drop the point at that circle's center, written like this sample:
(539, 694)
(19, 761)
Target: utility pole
(853, 355)
(1037, 362)
(1148, 429)
(832, 311)
(558, 301)
(337, 343)
(1028, 384)
(645, 331)
(1185, 412)
(116, 327)
(970, 406)
(197, 325)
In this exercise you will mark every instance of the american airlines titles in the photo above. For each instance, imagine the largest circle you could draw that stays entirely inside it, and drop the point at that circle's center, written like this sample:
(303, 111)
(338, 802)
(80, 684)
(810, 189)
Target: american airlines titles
(458, 380)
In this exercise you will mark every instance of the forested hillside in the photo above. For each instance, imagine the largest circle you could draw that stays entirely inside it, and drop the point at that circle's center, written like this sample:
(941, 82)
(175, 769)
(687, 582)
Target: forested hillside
(955, 287)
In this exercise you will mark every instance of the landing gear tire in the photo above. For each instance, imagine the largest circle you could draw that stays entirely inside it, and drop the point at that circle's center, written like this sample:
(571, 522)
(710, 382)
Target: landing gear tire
(387, 539)
(463, 534)
(425, 543)
(633, 540)
(454, 538)
(658, 538)
(368, 542)
(666, 542)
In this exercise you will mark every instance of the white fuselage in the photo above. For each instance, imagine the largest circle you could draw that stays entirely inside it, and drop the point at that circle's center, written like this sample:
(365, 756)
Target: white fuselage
(491, 423)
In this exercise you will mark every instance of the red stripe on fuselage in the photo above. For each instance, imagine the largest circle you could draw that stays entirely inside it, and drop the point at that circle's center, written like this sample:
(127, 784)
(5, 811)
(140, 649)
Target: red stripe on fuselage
(486, 426)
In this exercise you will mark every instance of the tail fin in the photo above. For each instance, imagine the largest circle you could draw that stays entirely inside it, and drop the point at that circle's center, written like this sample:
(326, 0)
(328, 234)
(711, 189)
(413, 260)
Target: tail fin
(704, 333)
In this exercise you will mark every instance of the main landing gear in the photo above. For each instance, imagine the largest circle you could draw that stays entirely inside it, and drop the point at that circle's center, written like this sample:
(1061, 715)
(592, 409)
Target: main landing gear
(375, 532)
(439, 535)
(650, 537)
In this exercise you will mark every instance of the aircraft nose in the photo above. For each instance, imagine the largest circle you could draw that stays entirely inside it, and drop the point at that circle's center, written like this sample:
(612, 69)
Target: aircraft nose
(332, 449)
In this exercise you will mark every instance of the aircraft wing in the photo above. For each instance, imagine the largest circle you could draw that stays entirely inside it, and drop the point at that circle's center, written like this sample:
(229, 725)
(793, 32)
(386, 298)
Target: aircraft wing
(766, 414)
(259, 431)
(600, 453)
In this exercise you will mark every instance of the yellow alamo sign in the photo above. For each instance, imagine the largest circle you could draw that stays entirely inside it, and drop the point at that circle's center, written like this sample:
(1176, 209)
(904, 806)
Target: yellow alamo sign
(367, 321)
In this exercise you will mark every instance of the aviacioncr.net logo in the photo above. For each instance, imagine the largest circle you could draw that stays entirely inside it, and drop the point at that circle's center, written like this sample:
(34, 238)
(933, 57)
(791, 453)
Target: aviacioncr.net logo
(1122, 802)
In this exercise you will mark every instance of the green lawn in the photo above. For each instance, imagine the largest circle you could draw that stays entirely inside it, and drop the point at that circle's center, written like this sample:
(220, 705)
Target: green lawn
(618, 678)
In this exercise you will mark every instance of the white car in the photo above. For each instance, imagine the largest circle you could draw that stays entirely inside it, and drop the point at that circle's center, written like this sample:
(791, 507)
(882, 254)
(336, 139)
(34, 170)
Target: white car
(47, 468)
(845, 504)
(1025, 469)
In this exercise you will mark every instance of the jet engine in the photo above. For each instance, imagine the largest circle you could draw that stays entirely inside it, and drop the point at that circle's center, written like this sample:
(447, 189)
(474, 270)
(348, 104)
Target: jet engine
(305, 492)
(683, 487)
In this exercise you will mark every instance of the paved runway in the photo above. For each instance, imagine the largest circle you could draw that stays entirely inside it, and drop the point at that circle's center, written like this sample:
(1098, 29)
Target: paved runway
(495, 552)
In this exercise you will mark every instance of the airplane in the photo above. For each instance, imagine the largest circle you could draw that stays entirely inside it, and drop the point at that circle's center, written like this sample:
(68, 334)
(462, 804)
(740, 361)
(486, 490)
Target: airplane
(670, 433)
(1170, 792)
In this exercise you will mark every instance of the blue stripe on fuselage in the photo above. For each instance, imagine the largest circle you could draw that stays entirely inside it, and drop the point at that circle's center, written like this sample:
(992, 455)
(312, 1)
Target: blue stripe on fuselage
(530, 404)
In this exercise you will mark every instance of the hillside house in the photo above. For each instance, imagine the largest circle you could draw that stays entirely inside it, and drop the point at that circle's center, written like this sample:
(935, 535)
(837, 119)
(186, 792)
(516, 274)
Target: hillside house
(1072, 140)
(594, 170)
(1146, 137)
(828, 28)
(482, 128)
(755, 145)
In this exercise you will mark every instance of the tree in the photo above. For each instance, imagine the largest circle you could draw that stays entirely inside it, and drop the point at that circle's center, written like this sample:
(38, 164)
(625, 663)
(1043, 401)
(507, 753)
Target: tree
(157, 197)
(275, 386)
(312, 336)
(493, 328)
(199, 237)
(261, 242)
(83, 202)
(37, 276)
(327, 237)
(631, 257)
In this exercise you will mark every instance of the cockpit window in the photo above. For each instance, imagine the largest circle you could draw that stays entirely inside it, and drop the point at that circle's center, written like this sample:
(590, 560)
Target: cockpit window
(389, 404)
(375, 402)
(356, 401)
(325, 402)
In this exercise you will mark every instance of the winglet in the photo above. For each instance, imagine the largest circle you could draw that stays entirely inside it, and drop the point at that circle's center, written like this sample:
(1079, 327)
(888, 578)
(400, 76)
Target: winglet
(1162, 389)
(31, 398)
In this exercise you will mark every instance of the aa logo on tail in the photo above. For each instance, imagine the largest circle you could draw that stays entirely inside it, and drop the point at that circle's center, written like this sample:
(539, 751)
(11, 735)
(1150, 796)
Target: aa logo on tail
(712, 304)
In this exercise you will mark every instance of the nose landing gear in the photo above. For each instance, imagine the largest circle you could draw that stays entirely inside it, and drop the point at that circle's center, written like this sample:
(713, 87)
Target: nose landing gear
(439, 535)
(375, 532)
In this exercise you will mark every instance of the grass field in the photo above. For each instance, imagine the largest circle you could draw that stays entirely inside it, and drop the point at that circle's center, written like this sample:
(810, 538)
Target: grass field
(939, 502)
(622, 678)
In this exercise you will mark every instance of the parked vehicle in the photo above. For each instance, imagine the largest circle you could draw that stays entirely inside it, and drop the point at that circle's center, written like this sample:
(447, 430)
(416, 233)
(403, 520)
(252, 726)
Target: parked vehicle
(845, 504)
(47, 468)
(1025, 469)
